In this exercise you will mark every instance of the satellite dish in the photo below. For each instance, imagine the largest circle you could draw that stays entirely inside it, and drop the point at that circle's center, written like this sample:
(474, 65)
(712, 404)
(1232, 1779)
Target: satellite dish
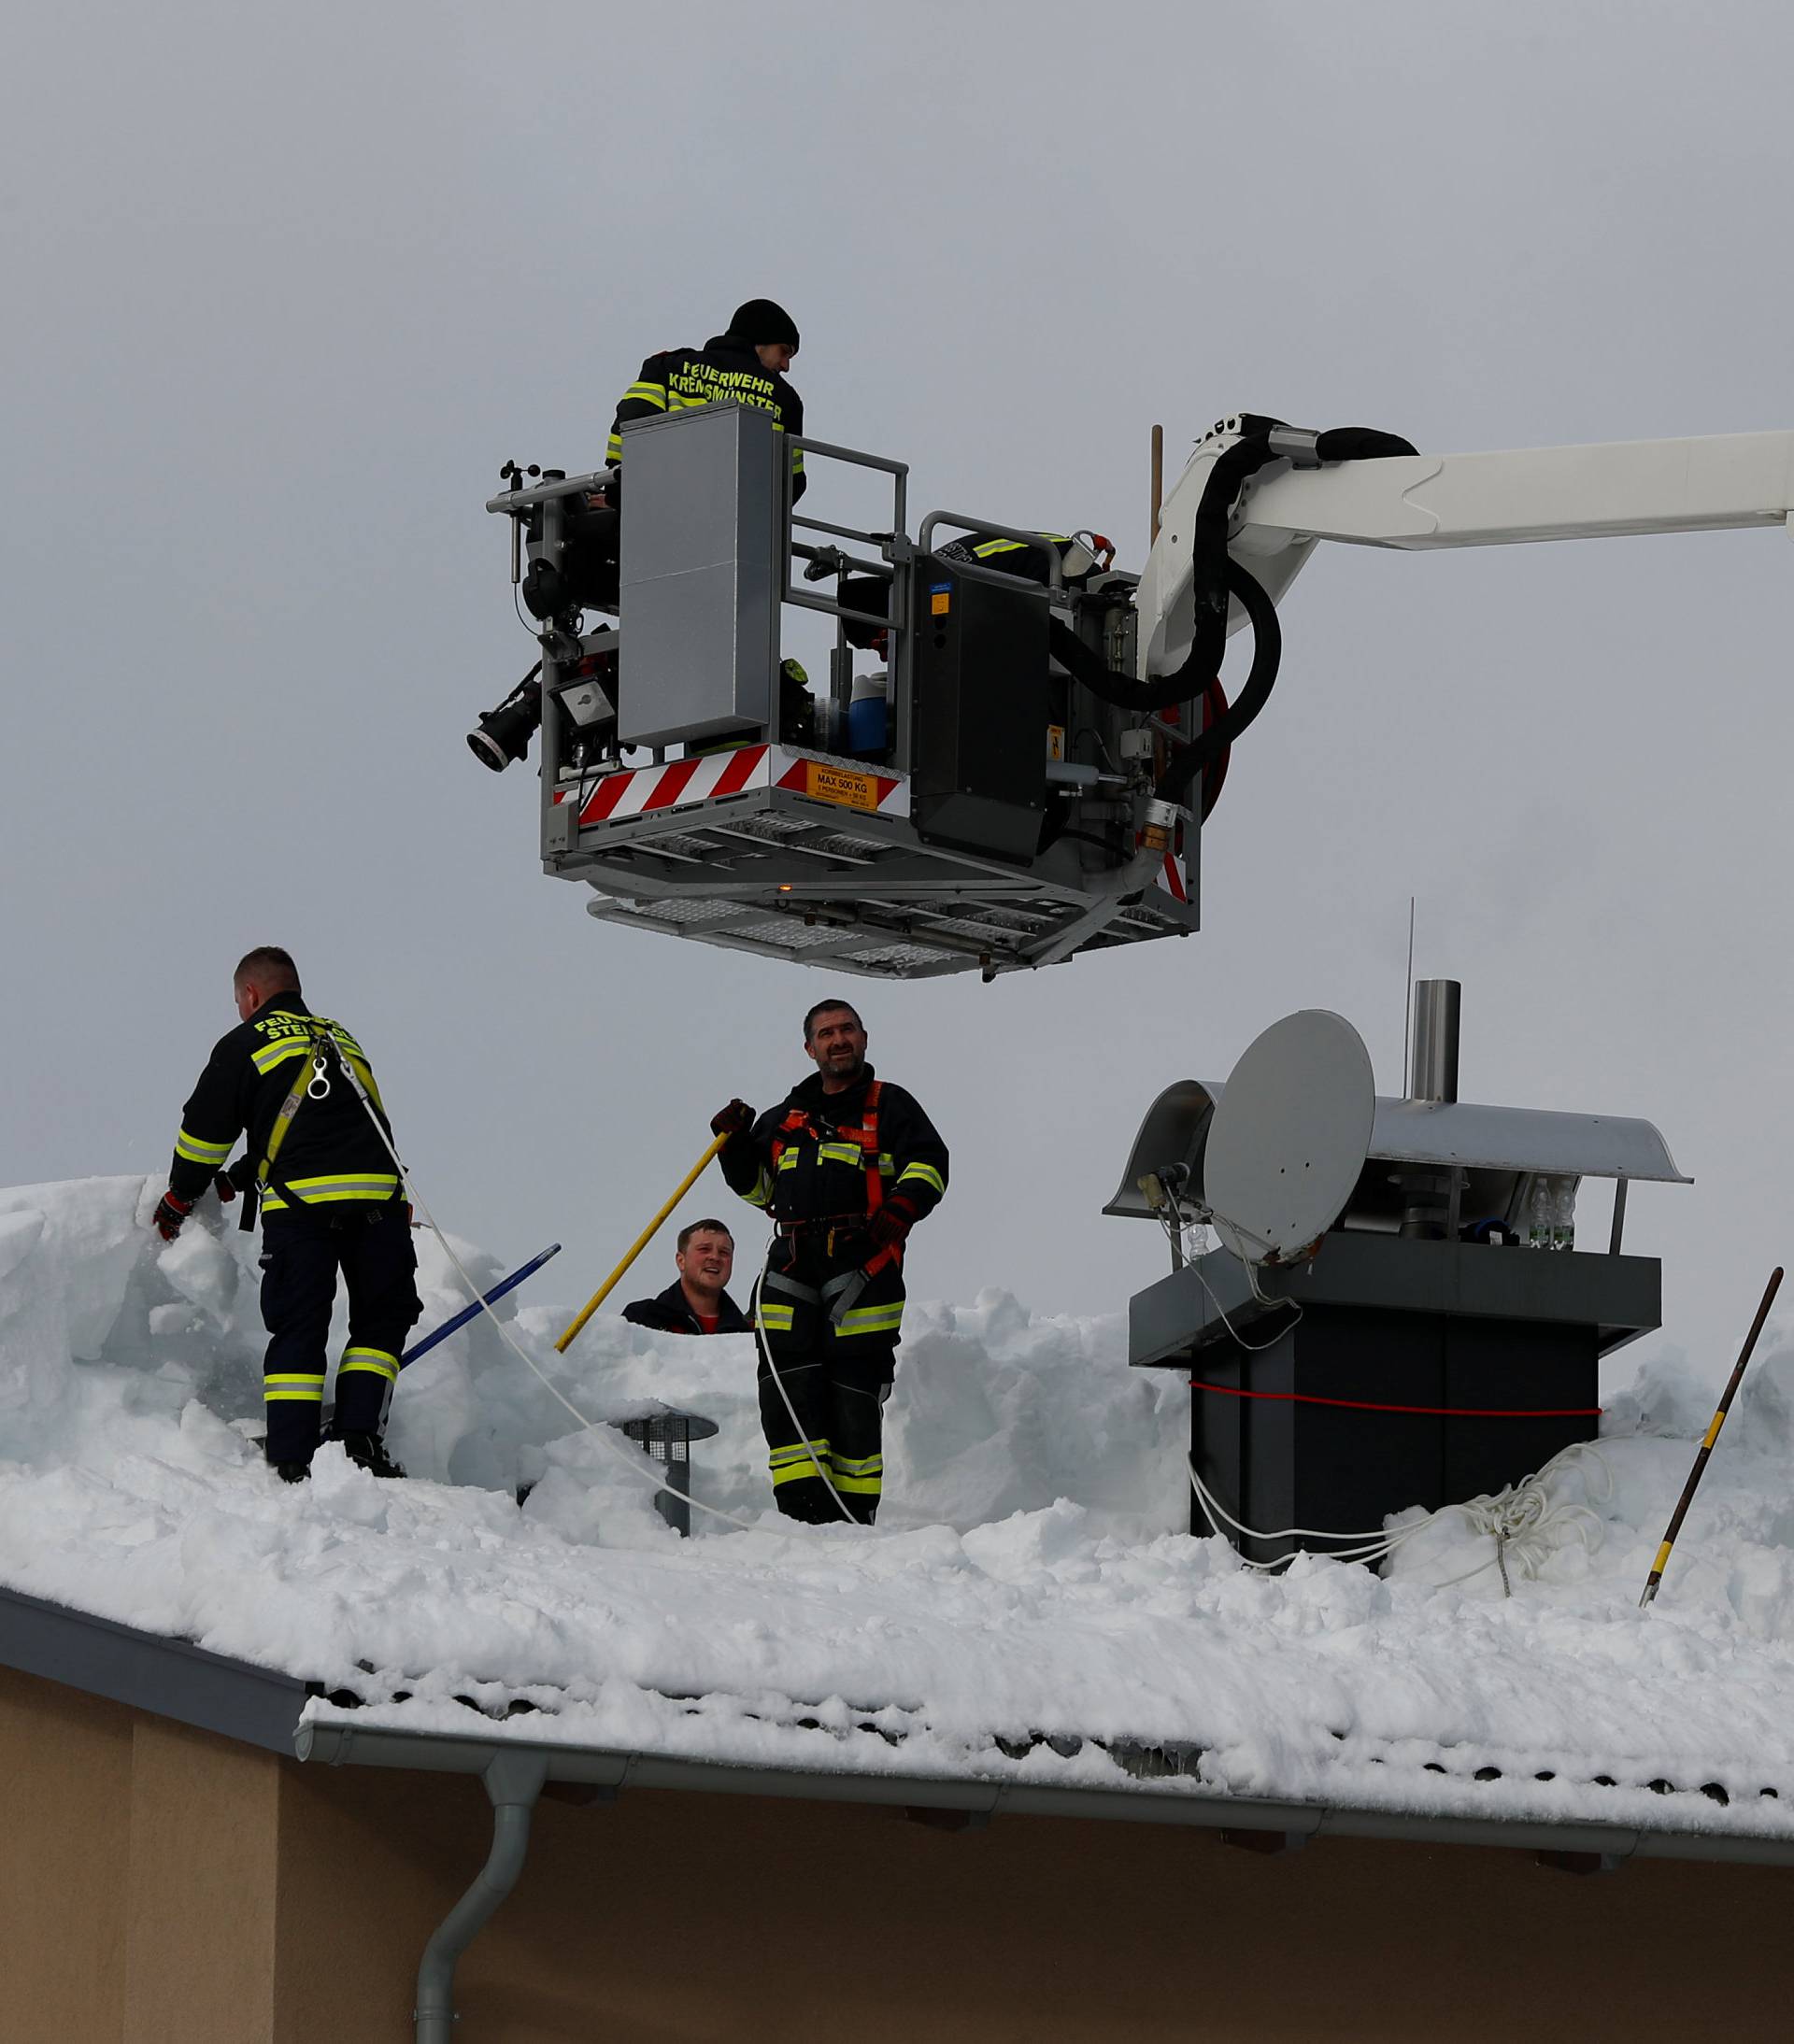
(1289, 1136)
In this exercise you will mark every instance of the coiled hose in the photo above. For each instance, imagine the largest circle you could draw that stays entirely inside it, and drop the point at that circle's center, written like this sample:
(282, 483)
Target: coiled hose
(1217, 578)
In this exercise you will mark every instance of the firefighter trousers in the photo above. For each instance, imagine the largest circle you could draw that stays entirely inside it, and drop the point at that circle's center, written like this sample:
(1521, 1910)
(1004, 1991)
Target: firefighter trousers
(836, 1375)
(303, 1249)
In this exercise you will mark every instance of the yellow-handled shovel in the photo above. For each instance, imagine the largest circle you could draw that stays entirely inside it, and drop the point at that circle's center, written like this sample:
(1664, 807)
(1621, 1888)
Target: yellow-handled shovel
(641, 1242)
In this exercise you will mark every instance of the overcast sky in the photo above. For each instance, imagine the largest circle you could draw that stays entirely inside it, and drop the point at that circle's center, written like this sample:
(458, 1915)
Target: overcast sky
(284, 286)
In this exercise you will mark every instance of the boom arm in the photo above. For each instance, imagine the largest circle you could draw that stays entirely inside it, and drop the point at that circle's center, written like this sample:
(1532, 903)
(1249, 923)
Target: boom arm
(1712, 484)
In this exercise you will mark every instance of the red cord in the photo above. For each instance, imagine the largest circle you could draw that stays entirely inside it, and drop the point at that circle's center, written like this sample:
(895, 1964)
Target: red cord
(1436, 1412)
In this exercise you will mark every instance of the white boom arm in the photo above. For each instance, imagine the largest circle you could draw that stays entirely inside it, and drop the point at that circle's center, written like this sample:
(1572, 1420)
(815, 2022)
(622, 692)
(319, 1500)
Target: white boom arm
(1456, 500)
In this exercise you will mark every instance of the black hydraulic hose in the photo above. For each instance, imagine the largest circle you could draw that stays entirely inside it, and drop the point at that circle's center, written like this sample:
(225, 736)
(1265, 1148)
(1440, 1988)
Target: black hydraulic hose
(1091, 671)
(1360, 444)
(1187, 765)
(1216, 577)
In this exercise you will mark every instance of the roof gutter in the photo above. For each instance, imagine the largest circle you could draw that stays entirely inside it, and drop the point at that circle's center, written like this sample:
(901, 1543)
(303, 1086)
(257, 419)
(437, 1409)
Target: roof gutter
(339, 1744)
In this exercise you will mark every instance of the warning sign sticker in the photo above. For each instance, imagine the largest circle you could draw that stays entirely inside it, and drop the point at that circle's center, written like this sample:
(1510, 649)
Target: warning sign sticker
(840, 784)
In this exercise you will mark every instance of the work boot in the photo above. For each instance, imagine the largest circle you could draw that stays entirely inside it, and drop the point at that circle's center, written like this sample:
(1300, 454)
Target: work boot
(368, 1452)
(292, 1473)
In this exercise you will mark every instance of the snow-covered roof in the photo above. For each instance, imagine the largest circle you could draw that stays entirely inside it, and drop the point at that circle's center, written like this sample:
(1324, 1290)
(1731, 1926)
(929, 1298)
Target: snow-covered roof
(1028, 1613)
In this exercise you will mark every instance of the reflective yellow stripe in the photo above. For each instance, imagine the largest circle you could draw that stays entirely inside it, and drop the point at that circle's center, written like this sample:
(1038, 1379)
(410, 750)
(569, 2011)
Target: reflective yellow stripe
(614, 449)
(270, 1055)
(886, 1164)
(867, 1465)
(777, 1319)
(198, 1152)
(872, 1320)
(295, 1376)
(379, 1360)
(927, 1174)
(992, 546)
(341, 1185)
(841, 1153)
(649, 393)
(795, 1463)
(866, 1485)
(789, 1161)
(762, 1193)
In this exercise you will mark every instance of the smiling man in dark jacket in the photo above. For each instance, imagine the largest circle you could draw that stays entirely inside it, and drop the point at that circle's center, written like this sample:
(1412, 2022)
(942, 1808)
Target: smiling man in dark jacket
(846, 1165)
(696, 1302)
(746, 365)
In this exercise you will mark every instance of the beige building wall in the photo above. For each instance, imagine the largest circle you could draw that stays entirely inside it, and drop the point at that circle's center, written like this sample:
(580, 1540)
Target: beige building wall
(162, 1877)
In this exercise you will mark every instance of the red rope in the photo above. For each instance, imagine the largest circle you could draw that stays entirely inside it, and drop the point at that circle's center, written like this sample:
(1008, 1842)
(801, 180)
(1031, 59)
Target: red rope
(1436, 1412)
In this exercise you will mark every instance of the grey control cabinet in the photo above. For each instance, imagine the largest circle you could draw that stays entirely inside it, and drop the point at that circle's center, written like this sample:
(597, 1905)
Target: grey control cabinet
(700, 576)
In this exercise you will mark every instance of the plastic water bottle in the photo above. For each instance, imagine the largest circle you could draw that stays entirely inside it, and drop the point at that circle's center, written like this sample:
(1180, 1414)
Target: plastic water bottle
(1563, 1211)
(1537, 1217)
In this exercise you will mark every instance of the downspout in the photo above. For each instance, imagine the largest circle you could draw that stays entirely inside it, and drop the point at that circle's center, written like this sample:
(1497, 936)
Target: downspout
(513, 1780)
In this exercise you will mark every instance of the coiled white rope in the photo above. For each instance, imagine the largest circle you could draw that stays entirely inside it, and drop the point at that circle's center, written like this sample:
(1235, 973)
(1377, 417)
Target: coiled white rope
(1528, 1520)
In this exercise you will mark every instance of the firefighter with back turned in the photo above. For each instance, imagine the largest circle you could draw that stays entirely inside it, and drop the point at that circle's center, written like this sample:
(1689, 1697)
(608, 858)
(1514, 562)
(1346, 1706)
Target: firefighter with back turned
(317, 1160)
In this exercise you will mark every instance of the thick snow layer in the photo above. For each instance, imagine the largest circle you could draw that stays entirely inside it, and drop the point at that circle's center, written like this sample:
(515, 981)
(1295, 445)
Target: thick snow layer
(1027, 1605)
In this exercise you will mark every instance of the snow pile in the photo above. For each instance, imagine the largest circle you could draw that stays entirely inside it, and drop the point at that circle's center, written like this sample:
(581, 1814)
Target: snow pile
(1026, 1606)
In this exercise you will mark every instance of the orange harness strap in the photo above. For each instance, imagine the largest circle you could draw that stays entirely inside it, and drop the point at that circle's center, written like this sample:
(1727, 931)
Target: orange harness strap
(798, 1122)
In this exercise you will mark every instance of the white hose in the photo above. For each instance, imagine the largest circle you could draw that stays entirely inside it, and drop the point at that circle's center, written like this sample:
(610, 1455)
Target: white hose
(594, 1427)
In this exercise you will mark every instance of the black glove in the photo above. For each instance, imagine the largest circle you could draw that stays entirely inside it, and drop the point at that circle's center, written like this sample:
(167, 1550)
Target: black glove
(734, 1120)
(170, 1213)
(224, 1186)
(891, 1223)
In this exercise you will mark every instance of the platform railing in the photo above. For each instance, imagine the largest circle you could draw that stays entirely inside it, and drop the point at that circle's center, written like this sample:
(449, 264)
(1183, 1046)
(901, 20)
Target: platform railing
(896, 550)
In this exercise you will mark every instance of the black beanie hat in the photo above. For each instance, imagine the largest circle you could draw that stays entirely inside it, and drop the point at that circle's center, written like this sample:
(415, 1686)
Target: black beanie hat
(762, 324)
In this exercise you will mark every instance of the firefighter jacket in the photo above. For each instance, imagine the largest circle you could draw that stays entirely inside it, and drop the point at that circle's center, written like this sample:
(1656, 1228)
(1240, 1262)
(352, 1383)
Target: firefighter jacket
(1016, 557)
(724, 370)
(670, 1312)
(330, 1154)
(838, 1157)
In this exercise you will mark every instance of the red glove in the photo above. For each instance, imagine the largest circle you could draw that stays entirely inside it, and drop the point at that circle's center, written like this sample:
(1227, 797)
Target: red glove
(734, 1120)
(225, 1186)
(172, 1211)
(891, 1223)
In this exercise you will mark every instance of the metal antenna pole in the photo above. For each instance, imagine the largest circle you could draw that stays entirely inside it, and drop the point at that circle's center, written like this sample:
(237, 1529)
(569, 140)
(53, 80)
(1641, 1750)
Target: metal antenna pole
(1407, 998)
(1157, 477)
(1700, 1460)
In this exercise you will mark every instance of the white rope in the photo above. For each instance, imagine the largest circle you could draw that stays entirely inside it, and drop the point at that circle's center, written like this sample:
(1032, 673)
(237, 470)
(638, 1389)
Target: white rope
(797, 1424)
(595, 1428)
(1378, 1543)
(1526, 1521)
(1529, 1525)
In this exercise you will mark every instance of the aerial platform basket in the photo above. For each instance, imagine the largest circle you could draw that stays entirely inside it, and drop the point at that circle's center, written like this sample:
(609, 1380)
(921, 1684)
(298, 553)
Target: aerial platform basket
(1007, 820)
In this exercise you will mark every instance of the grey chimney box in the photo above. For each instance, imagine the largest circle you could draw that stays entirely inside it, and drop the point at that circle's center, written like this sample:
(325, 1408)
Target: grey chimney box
(1407, 1301)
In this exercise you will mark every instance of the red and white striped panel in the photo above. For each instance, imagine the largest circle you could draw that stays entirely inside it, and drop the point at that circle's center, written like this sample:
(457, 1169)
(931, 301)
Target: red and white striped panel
(644, 791)
(1170, 877)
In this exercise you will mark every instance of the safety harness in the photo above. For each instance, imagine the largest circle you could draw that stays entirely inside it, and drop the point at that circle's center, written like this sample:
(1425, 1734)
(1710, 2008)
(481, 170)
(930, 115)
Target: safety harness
(312, 1082)
(839, 1294)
